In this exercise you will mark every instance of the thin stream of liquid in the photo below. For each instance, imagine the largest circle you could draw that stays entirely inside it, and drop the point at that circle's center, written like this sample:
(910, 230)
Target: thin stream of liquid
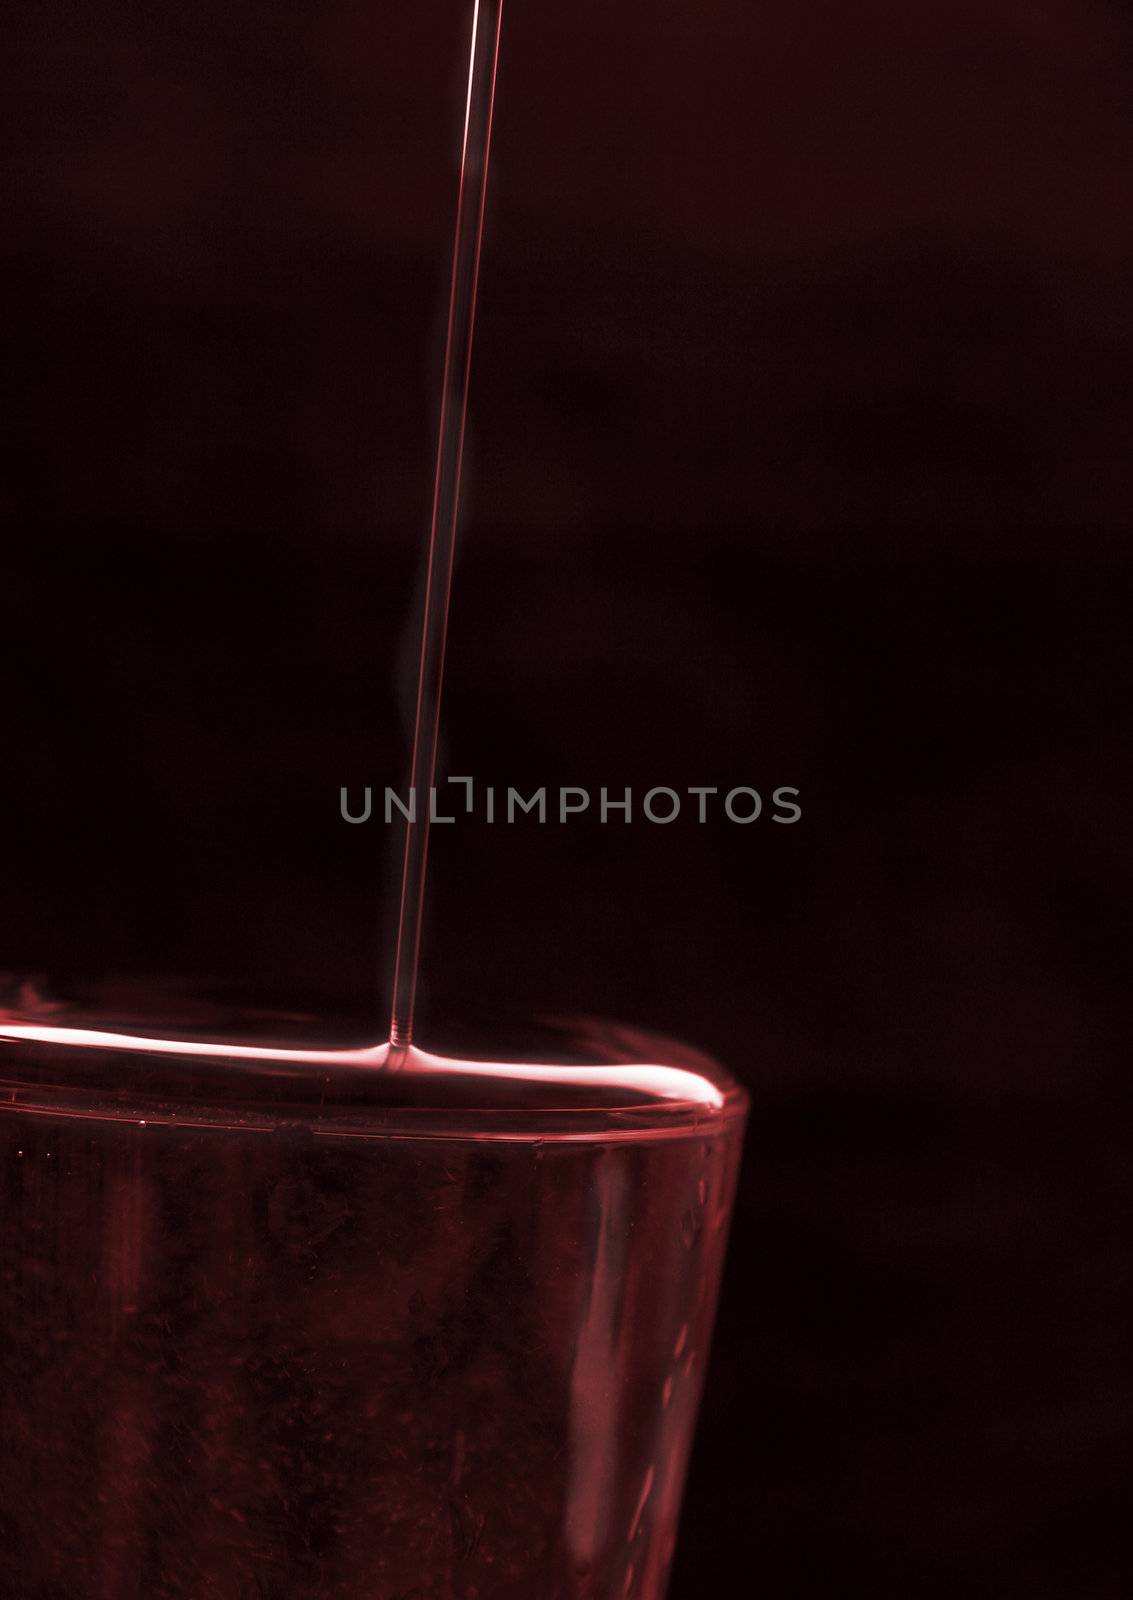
(446, 502)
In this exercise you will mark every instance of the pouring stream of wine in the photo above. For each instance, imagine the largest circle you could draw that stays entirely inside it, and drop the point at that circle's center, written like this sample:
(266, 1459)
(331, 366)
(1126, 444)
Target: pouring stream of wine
(446, 501)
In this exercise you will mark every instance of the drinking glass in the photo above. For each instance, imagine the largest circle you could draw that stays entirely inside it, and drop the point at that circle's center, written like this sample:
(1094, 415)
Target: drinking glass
(279, 1321)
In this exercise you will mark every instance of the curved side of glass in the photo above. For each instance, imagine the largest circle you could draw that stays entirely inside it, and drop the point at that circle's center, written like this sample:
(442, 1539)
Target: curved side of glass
(294, 1323)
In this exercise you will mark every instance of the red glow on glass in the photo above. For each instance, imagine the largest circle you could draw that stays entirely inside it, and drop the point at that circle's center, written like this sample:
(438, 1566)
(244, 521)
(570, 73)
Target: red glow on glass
(651, 1078)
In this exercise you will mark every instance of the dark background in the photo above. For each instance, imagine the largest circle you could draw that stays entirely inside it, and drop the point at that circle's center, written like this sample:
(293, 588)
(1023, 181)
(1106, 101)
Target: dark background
(799, 456)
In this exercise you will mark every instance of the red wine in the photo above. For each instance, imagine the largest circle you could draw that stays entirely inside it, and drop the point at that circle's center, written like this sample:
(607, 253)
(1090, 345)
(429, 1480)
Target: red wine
(475, 151)
(280, 1325)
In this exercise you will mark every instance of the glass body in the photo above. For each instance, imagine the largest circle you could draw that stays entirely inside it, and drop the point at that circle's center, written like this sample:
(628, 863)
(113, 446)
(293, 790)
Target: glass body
(305, 1326)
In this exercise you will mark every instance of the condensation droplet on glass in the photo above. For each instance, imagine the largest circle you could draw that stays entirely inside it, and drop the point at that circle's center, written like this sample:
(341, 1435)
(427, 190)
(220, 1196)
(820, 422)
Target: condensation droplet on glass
(642, 1500)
